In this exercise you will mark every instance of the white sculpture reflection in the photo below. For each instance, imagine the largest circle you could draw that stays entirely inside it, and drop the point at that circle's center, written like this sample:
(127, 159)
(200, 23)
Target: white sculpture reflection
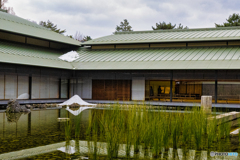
(77, 112)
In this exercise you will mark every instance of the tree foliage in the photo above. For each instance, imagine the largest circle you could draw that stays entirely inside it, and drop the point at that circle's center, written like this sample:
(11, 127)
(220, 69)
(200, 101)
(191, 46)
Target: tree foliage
(233, 20)
(9, 9)
(180, 26)
(87, 38)
(80, 37)
(164, 25)
(124, 26)
(52, 26)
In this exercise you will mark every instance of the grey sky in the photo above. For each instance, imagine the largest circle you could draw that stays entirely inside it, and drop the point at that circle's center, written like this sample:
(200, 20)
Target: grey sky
(99, 17)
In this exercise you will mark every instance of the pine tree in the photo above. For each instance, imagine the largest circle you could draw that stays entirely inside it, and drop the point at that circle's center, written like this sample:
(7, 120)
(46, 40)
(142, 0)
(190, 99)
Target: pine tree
(51, 26)
(124, 26)
(87, 38)
(233, 20)
(164, 25)
(180, 26)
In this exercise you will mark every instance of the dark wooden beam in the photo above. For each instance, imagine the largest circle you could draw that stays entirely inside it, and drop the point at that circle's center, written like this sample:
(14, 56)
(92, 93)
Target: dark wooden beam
(59, 87)
(171, 81)
(30, 87)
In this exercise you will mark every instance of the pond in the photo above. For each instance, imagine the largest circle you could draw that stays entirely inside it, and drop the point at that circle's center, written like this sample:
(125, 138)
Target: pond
(110, 134)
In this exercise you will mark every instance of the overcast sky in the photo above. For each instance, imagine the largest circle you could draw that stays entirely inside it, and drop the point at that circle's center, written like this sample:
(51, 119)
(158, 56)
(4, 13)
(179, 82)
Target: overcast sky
(98, 18)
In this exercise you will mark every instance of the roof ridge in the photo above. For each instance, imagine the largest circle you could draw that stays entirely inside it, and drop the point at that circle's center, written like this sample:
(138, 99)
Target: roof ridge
(40, 27)
(8, 19)
(179, 30)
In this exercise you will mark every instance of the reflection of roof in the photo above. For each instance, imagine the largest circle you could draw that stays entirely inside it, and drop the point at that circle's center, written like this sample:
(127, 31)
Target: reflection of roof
(11, 23)
(171, 35)
(168, 58)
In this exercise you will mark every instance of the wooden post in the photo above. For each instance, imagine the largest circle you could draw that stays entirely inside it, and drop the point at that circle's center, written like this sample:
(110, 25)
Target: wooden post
(216, 91)
(30, 87)
(59, 87)
(171, 81)
(206, 103)
(68, 95)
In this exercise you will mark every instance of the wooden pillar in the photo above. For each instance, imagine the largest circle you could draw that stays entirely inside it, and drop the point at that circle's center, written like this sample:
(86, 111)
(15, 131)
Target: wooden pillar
(59, 87)
(216, 84)
(30, 87)
(76, 90)
(171, 81)
(68, 89)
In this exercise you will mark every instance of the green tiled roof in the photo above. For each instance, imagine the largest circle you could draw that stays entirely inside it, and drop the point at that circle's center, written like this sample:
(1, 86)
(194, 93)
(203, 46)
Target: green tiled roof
(171, 35)
(29, 55)
(125, 59)
(171, 58)
(19, 25)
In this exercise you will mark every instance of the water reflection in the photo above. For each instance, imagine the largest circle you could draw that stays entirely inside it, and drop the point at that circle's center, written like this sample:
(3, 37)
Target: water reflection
(13, 117)
(39, 135)
(78, 111)
(40, 127)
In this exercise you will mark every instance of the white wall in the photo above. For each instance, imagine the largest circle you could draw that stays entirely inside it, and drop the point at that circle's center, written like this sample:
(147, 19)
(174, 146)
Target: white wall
(138, 88)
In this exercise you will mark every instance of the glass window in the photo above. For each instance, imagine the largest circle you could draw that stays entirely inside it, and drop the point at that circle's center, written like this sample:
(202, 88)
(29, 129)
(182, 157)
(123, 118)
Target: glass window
(2, 87)
(64, 88)
(158, 90)
(36, 87)
(45, 87)
(53, 88)
(228, 92)
(191, 91)
(72, 87)
(79, 87)
(23, 87)
(10, 86)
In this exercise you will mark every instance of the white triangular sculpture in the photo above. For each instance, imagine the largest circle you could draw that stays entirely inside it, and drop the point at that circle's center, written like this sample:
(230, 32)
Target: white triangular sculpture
(76, 99)
(77, 112)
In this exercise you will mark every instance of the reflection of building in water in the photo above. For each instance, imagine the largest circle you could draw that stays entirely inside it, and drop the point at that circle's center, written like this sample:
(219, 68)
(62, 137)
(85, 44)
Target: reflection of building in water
(35, 129)
(102, 150)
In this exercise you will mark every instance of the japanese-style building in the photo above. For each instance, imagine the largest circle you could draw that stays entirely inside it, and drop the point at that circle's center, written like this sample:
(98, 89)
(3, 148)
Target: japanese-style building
(175, 66)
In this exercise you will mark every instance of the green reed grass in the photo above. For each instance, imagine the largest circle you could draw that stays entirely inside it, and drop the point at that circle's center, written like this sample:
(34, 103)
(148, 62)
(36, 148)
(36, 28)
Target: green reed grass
(67, 126)
(139, 125)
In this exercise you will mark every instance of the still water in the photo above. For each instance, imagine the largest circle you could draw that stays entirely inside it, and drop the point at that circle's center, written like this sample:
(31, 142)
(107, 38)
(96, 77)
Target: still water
(39, 128)
(39, 135)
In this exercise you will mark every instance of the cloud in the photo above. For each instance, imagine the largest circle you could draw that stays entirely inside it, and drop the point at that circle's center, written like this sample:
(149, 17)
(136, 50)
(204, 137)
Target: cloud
(99, 17)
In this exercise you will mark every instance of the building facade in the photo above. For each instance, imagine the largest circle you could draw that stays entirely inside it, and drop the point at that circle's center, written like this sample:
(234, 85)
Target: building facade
(177, 66)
